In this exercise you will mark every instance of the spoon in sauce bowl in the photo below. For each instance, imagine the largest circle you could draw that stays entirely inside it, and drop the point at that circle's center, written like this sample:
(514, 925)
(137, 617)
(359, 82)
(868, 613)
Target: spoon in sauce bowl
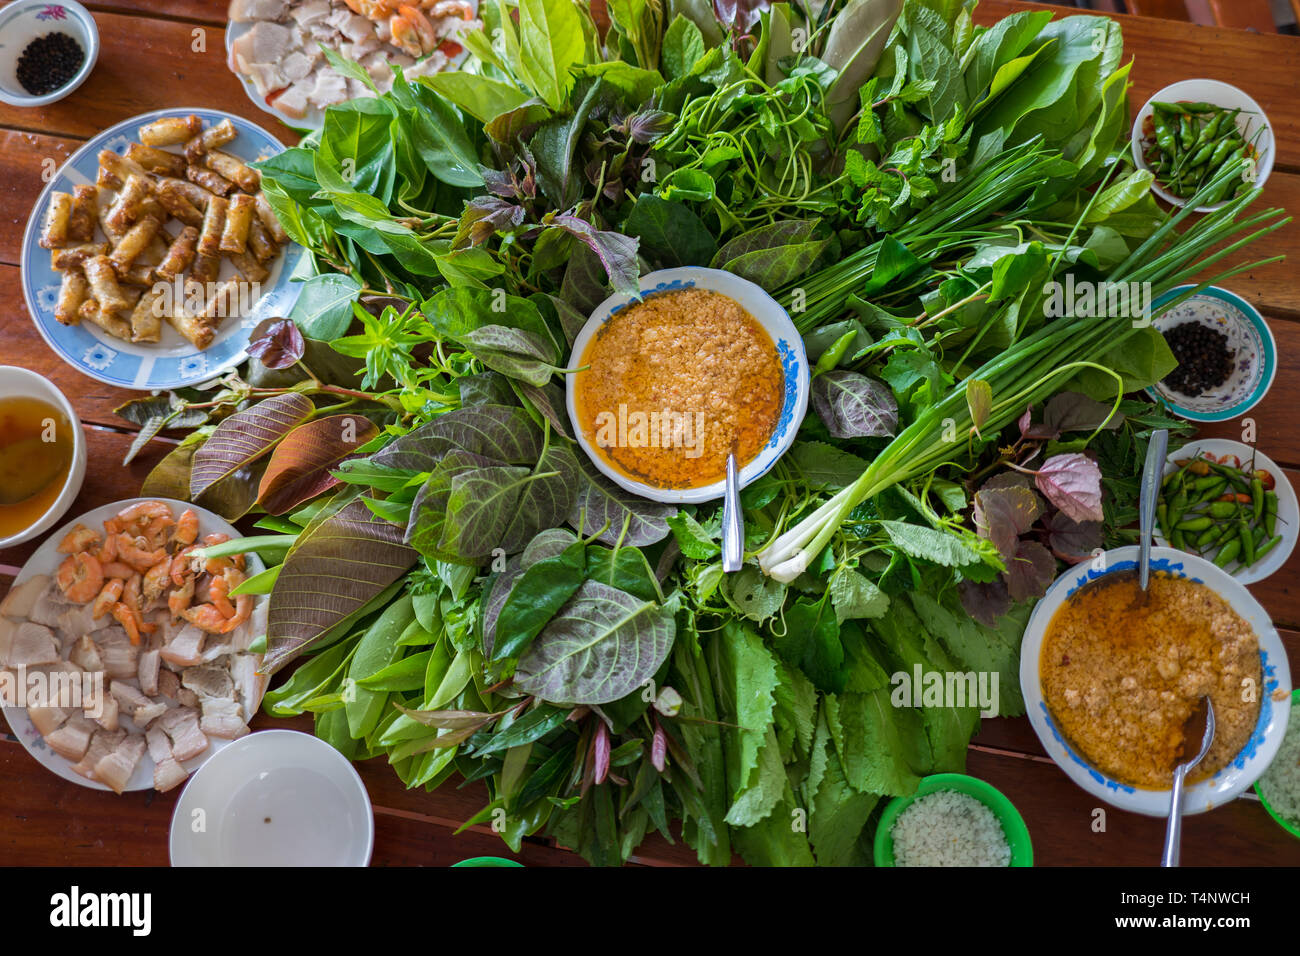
(733, 528)
(1200, 723)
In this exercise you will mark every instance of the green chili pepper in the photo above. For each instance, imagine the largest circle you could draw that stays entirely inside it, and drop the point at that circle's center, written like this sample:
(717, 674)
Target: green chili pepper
(1223, 509)
(831, 357)
(1199, 107)
(1247, 543)
(1186, 132)
(1228, 553)
(1266, 547)
(1176, 539)
(1195, 524)
(1256, 500)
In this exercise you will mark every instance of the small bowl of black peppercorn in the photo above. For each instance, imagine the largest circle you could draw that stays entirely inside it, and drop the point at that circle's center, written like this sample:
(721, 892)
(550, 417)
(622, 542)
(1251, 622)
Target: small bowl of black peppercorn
(1226, 355)
(46, 50)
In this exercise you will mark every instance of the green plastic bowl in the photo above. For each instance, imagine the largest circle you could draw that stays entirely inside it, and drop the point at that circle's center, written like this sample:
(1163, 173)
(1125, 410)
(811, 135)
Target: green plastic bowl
(488, 861)
(1290, 828)
(1013, 825)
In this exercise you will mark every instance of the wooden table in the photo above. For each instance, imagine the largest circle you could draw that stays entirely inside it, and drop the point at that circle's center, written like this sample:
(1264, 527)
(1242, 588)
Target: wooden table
(148, 61)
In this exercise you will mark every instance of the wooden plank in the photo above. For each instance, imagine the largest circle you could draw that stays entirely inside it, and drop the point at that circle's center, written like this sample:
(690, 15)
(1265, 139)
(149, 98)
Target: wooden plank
(1060, 817)
(146, 64)
(212, 12)
(1264, 65)
(27, 162)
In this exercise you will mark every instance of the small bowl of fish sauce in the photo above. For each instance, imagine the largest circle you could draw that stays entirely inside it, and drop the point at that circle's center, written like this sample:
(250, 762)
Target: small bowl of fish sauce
(703, 363)
(42, 455)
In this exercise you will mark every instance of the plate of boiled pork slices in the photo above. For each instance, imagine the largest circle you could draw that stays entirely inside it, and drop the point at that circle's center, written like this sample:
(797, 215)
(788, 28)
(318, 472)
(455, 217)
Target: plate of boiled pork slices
(124, 656)
(275, 48)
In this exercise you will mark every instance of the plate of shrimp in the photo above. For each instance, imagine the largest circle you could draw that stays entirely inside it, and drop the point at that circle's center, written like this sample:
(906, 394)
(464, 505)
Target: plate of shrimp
(130, 647)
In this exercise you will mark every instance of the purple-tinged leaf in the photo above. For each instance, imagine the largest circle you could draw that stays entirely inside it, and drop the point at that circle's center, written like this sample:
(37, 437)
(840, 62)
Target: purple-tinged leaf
(483, 218)
(985, 601)
(854, 406)
(300, 466)
(659, 747)
(1030, 572)
(1002, 515)
(246, 436)
(1026, 420)
(648, 125)
(1072, 482)
(277, 343)
(1074, 412)
(1070, 540)
(600, 752)
(616, 252)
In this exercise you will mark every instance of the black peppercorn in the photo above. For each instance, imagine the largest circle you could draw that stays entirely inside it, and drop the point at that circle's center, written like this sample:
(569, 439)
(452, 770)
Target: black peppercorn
(1204, 359)
(49, 62)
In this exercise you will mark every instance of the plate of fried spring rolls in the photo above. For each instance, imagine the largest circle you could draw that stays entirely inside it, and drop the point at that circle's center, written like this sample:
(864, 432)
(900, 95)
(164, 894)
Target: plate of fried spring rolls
(153, 251)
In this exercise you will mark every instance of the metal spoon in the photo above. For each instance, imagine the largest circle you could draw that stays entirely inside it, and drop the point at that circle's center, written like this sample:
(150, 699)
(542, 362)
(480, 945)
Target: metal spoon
(733, 529)
(1152, 472)
(1204, 712)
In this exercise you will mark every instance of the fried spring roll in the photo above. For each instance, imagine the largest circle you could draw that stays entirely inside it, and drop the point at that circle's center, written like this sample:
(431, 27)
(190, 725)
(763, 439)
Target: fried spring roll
(156, 160)
(214, 221)
(114, 170)
(249, 267)
(128, 207)
(140, 276)
(85, 213)
(239, 216)
(223, 302)
(72, 257)
(232, 168)
(136, 240)
(72, 293)
(180, 254)
(260, 242)
(170, 130)
(146, 317)
(199, 333)
(179, 207)
(103, 284)
(211, 181)
(210, 138)
(268, 217)
(106, 319)
(196, 194)
(54, 234)
(156, 251)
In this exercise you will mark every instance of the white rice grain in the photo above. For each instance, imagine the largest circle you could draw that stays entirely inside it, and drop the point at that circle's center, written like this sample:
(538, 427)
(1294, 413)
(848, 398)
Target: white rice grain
(1280, 784)
(947, 828)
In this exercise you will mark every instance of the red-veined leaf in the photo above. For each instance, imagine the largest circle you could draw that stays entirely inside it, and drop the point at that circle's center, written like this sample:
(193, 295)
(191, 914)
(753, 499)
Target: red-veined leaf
(246, 436)
(300, 466)
(1073, 483)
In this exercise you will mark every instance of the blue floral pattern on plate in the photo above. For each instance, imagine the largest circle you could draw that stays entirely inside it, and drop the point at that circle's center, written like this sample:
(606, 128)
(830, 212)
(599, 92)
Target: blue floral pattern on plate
(139, 366)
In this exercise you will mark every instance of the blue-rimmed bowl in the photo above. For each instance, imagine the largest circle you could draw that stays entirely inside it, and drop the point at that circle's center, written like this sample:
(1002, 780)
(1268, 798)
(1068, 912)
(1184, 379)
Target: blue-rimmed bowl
(773, 319)
(1249, 338)
(25, 20)
(172, 362)
(1274, 696)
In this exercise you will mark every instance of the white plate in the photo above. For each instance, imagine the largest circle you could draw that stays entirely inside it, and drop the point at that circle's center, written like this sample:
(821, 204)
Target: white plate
(1275, 696)
(173, 362)
(46, 560)
(1288, 508)
(1220, 94)
(274, 798)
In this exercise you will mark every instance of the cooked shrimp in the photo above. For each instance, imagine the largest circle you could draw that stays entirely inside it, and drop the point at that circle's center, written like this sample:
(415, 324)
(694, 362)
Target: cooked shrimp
(108, 553)
(180, 598)
(372, 9)
(137, 552)
(127, 618)
(218, 594)
(80, 577)
(187, 528)
(142, 513)
(131, 593)
(208, 617)
(448, 8)
(180, 567)
(157, 578)
(215, 538)
(80, 538)
(159, 531)
(116, 569)
(412, 32)
(109, 596)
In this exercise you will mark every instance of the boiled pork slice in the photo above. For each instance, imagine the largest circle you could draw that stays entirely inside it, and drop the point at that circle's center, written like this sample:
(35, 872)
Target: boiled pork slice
(47, 607)
(32, 644)
(187, 698)
(169, 683)
(167, 773)
(22, 598)
(209, 681)
(222, 718)
(76, 622)
(310, 11)
(121, 657)
(71, 740)
(248, 682)
(109, 712)
(103, 743)
(148, 672)
(7, 628)
(85, 654)
(138, 707)
(185, 648)
(292, 101)
(182, 726)
(115, 768)
(47, 720)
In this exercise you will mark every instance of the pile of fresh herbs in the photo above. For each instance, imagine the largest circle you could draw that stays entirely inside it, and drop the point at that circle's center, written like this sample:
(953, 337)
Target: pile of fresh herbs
(469, 597)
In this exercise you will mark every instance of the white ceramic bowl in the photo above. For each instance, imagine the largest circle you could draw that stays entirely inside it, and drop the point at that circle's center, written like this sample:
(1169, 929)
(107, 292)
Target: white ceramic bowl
(274, 798)
(774, 320)
(24, 21)
(1288, 508)
(1275, 695)
(15, 382)
(1219, 93)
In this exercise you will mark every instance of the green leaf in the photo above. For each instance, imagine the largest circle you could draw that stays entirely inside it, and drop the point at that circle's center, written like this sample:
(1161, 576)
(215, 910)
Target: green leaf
(616, 516)
(533, 725)
(856, 596)
(837, 813)
(246, 436)
(550, 46)
(377, 649)
(324, 307)
(979, 399)
(753, 594)
(696, 543)
(825, 467)
(747, 682)
(625, 569)
(772, 255)
(931, 544)
(671, 235)
(480, 96)
(536, 597)
(882, 748)
(683, 46)
(857, 37)
(812, 643)
(603, 645)
(759, 797)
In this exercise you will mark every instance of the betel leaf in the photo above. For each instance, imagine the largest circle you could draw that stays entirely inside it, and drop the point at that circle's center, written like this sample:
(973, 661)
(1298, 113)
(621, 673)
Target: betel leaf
(246, 436)
(300, 465)
(335, 568)
(602, 508)
(1072, 482)
(772, 255)
(603, 645)
(854, 406)
(670, 233)
(536, 597)
(931, 544)
(550, 45)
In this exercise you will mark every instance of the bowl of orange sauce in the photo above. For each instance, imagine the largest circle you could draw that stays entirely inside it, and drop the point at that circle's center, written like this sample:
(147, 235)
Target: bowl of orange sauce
(42, 455)
(702, 364)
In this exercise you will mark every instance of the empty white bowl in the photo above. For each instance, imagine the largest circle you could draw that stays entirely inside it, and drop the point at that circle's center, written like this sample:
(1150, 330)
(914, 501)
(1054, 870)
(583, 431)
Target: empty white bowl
(22, 22)
(18, 382)
(274, 798)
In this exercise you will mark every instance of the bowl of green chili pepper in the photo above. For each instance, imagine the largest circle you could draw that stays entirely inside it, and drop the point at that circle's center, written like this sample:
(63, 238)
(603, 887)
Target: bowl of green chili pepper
(1230, 504)
(1192, 130)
